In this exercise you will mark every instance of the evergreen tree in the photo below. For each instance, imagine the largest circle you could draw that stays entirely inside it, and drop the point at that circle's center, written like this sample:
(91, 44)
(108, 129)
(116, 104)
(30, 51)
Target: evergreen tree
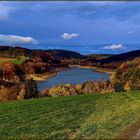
(31, 90)
(17, 85)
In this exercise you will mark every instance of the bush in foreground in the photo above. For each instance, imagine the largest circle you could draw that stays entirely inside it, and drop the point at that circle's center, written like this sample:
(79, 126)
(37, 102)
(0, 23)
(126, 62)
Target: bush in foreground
(7, 94)
(127, 76)
(89, 87)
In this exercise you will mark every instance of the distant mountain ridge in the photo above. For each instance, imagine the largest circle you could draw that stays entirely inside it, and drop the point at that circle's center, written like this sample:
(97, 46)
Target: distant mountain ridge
(66, 54)
(122, 57)
(119, 57)
(7, 50)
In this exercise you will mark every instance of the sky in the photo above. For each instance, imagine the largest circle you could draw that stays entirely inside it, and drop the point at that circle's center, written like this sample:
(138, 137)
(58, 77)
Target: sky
(85, 27)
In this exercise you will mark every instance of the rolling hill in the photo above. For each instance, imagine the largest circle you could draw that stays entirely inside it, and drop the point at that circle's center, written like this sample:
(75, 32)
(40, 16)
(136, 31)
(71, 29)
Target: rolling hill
(65, 54)
(95, 116)
(119, 57)
(8, 51)
(103, 58)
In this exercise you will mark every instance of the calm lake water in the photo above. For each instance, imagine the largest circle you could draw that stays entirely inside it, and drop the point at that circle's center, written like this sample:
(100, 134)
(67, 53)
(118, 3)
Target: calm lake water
(73, 76)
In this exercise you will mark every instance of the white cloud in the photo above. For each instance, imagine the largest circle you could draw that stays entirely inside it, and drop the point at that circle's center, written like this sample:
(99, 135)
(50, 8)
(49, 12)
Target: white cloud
(68, 36)
(113, 47)
(13, 39)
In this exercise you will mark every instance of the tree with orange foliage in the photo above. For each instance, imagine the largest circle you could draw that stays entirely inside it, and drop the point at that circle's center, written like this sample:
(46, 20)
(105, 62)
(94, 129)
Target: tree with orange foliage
(8, 71)
(30, 69)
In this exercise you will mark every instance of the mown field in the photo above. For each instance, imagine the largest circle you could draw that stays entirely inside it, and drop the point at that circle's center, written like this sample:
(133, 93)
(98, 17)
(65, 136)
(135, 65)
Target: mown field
(15, 61)
(79, 116)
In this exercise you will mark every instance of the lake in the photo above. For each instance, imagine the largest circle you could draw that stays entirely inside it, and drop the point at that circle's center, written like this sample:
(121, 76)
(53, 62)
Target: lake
(73, 76)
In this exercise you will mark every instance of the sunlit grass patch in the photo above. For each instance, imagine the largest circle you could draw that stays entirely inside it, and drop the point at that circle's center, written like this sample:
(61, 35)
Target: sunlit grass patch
(79, 116)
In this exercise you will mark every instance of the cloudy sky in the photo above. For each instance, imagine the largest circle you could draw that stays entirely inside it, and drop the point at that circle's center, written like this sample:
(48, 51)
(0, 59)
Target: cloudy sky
(87, 27)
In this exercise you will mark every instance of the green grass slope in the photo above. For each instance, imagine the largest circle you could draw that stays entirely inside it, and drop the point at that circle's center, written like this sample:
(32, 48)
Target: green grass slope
(80, 116)
(14, 61)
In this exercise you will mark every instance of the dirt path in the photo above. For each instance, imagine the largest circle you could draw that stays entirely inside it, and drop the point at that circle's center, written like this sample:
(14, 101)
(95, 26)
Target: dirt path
(132, 132)
(136, 135)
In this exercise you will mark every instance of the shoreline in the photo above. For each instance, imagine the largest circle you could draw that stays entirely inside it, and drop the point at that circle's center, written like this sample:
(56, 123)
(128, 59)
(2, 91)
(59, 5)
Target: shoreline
(95, 69)
(47, 75)
(41, 77)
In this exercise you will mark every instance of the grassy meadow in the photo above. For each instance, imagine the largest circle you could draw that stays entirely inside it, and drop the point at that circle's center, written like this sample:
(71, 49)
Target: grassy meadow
(12, 60)
(79, 116)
